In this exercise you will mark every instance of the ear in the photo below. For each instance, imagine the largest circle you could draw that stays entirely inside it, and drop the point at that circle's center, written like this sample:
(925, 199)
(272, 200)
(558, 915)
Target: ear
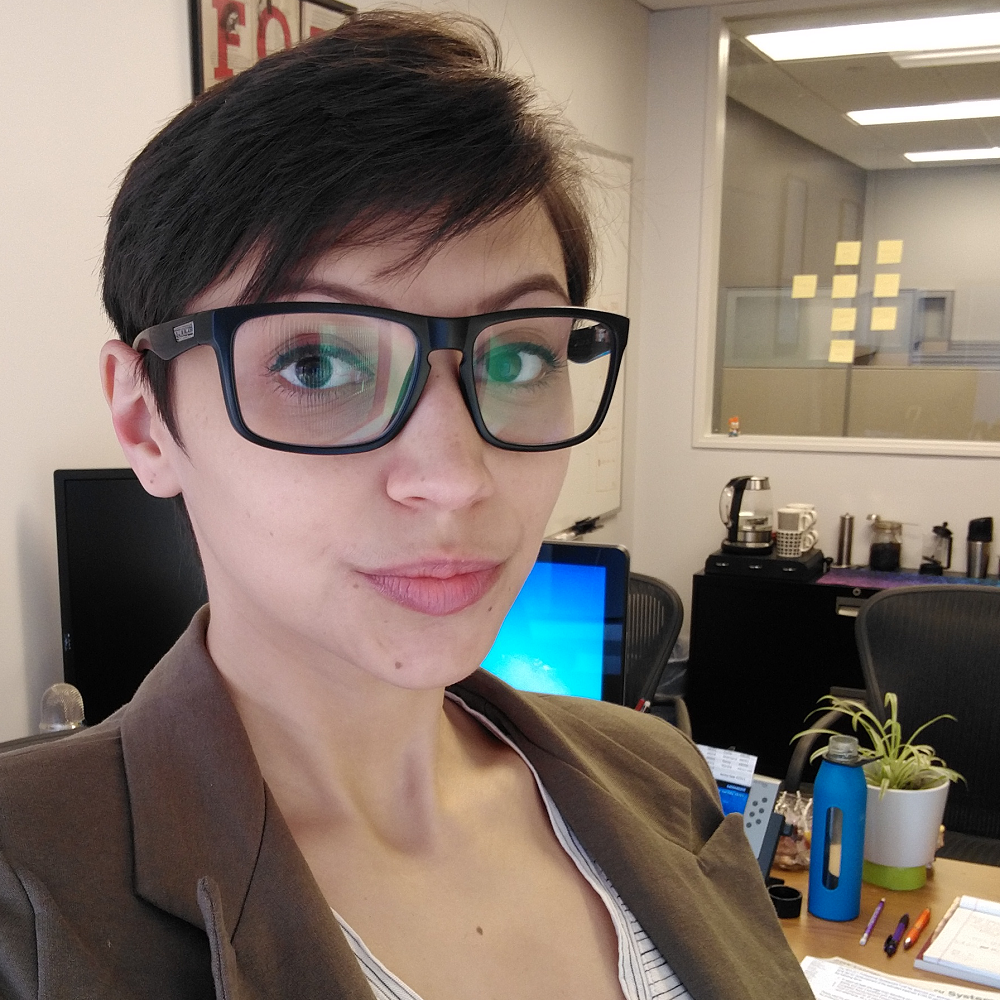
(148, 445)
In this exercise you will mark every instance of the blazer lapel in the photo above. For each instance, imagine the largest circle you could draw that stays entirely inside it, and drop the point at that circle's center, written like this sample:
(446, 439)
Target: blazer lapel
(211, 846)
(691, 881)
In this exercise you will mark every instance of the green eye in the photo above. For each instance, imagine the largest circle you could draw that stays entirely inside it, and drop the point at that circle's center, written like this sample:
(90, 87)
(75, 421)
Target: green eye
(516, 364)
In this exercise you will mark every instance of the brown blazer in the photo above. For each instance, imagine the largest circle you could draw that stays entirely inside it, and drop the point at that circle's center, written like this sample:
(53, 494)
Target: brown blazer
(146, 858)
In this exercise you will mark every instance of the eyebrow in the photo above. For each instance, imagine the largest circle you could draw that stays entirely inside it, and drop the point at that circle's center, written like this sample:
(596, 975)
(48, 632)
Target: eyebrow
(541, 282)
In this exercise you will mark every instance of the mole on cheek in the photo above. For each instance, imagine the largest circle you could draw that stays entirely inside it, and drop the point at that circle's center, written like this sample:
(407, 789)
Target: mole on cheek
(479, 930)
(399, 664)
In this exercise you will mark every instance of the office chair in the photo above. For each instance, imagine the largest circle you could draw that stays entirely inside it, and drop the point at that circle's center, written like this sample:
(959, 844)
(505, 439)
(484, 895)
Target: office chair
(655, 614)
(938, 647)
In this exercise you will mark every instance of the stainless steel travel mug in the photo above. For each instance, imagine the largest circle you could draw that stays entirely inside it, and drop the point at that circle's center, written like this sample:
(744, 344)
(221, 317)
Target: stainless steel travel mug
(977, 559)
(845, 540)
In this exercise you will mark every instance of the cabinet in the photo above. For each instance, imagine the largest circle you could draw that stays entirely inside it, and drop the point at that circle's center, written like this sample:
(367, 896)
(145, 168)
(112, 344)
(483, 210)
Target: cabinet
(762, 653)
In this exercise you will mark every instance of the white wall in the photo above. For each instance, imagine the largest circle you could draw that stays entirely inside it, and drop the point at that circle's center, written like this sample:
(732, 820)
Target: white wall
(77, 107)
(949, 221)
(676, 486)
(78, 104)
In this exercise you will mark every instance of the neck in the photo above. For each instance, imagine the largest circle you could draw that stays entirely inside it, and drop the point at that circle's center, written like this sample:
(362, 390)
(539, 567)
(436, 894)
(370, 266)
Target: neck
(339, 747)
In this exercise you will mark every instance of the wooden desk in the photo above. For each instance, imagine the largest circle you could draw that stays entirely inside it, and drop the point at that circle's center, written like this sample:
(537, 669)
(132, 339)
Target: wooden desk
(808, 935)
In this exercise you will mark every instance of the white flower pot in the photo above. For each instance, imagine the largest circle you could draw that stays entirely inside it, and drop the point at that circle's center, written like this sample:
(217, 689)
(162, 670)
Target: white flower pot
(901, 828)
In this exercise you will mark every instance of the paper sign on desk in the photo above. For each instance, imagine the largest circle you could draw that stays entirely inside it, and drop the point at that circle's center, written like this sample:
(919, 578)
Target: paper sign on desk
(866, 979)
(832, 980)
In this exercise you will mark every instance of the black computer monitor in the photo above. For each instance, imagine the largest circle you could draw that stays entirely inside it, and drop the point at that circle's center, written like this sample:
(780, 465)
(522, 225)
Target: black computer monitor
(130, 580)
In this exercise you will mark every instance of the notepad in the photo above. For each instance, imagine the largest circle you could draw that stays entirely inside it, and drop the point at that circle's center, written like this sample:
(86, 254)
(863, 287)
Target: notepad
(966, 944)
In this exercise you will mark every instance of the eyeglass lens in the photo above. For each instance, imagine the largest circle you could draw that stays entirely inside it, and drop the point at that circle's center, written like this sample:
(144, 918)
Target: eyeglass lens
(328, 380)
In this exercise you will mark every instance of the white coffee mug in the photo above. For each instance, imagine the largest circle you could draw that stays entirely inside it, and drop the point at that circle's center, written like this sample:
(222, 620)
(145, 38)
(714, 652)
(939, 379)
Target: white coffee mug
(791, 544)
(796, 517)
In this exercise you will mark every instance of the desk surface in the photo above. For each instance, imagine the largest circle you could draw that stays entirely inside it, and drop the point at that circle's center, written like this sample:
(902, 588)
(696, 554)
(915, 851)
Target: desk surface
(808, 935)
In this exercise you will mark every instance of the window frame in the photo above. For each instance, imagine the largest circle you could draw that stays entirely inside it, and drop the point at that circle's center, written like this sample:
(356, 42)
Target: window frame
(706, 317)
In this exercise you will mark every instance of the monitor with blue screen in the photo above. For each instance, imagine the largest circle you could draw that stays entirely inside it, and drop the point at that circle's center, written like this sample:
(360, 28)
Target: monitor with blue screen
(565, 632)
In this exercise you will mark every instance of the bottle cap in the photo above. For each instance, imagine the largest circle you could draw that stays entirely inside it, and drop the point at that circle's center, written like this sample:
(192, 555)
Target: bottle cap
(842, 750)
(981, 529)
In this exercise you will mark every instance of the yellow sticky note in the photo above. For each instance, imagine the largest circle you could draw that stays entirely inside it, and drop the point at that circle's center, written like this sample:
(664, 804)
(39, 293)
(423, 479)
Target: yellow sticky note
(843, 320)
(804, 286)
(848, 252)
(841, 352)
(845, 286)
(884, 318)
(889, 252)
(886, 286)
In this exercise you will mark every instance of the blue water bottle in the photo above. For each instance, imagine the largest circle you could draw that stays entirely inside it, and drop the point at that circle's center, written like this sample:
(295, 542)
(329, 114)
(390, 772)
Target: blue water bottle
(838, 832)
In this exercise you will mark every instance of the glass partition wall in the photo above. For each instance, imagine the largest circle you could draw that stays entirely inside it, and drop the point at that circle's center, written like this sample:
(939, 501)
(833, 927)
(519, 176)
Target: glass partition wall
(859, 270)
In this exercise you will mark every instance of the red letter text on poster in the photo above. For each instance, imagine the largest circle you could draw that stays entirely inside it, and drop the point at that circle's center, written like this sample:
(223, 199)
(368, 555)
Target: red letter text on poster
(231, 14)
(268, 15)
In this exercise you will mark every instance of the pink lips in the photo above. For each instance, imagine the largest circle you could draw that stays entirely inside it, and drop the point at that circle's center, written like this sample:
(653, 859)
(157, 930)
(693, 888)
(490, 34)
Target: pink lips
(436, 588)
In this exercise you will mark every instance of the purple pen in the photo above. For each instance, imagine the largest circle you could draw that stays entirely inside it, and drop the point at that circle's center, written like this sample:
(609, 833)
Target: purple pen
(874, 920)
(892, 941)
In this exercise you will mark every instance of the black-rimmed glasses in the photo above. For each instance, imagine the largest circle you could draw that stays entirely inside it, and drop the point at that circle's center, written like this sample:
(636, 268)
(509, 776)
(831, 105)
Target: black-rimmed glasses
(325, 378)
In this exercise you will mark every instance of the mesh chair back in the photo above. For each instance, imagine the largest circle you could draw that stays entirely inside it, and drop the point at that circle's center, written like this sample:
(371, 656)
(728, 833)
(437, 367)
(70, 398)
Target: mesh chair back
(655, 614)
(938, 648)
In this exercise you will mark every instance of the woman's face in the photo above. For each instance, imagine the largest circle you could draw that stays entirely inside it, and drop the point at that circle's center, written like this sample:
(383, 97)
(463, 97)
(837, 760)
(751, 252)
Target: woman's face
(398, 563)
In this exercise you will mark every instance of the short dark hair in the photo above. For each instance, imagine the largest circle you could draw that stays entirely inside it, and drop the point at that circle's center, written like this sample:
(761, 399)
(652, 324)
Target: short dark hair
(394, 123)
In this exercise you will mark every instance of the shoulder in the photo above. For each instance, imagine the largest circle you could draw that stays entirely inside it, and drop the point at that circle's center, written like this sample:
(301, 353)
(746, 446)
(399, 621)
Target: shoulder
(648, 766)
(63, 794)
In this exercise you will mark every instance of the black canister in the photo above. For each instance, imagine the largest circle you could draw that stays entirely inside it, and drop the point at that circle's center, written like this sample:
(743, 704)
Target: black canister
(978, 545)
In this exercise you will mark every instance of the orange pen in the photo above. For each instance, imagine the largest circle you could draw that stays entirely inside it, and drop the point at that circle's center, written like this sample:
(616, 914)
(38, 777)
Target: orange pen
(921, 922)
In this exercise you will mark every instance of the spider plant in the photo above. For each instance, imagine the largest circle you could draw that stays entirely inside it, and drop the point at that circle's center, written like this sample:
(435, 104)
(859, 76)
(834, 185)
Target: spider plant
(892, 761)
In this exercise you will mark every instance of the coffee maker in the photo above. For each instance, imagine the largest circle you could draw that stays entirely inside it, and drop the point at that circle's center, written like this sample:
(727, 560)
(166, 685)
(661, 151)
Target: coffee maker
(746, 509)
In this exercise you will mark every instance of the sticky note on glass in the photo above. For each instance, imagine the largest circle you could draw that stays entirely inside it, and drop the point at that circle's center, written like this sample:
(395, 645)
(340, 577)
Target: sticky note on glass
(849, 252)
(884, 318)
(889, 252)
(886, 286)
(804, 286)
(845, 286)
(841, 352)
(843, 320)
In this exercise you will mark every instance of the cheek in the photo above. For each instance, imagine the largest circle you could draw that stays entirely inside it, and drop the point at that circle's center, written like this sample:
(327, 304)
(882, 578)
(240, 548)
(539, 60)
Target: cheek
(531, 482)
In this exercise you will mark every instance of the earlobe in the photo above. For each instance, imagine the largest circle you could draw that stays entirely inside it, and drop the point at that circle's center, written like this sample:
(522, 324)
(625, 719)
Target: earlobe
(142, 434)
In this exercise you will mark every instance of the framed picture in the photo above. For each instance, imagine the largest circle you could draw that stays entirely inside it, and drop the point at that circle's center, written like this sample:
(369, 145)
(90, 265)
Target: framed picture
(229, 36)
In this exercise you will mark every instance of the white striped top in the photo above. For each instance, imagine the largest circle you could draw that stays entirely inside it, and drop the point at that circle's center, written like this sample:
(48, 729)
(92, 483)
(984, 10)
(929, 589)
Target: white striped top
(642, 971)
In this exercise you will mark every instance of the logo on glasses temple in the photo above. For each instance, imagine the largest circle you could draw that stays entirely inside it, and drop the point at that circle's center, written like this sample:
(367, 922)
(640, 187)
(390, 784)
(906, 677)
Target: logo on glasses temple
(184, 332)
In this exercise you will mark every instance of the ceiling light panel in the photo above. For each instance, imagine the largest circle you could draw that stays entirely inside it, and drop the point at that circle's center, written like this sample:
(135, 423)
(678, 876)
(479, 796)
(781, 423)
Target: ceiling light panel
(952, 111)
(939, 155)
(962, 31)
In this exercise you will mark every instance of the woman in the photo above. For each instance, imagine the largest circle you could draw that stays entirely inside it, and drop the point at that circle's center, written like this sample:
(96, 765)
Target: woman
(347, 285)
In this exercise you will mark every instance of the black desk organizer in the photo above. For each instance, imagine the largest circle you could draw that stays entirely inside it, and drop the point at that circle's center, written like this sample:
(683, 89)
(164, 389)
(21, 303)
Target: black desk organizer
(763, 651)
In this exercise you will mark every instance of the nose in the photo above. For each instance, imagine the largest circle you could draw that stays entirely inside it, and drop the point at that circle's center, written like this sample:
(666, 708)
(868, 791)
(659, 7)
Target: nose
(438, 458)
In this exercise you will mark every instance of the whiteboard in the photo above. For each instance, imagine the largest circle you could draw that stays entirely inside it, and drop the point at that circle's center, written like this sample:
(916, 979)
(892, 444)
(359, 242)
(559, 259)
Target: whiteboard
(593, 485)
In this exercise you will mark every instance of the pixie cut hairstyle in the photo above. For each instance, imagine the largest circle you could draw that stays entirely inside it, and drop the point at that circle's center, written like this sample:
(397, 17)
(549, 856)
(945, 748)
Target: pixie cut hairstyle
(395, 124)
